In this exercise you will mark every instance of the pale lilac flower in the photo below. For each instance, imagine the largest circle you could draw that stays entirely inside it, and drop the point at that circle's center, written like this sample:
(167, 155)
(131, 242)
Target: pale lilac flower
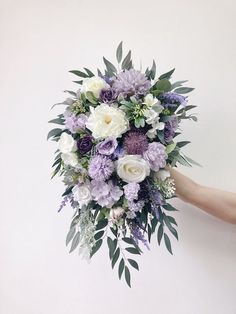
(130, 214)
(131, 82)
(100, 167)
(135, 206)
(155, 156)
(74, 123)
(105, 194)
(131, 191)
(107, 147)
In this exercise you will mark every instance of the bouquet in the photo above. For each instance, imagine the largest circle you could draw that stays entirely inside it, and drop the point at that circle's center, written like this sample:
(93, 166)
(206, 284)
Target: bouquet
(115, 141)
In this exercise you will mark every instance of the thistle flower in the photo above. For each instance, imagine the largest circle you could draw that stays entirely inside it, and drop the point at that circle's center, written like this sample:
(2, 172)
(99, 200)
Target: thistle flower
(131, 82)
(135, 143)
(100, 168)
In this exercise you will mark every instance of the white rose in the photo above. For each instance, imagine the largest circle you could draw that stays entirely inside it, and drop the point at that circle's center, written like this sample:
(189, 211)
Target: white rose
(82, 194)
(66, 143)
(162, 174)
(107, 121)
(132, 168)
(70, 159)
(116, 213)
(94, 84)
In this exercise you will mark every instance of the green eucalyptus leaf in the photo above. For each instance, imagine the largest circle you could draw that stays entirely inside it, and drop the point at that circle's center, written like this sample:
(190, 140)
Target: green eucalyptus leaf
(57, 121)
(70, 235)
(79, 73)
(177, 84)
(110, 67)
(153, 70)
(111, 247)
(54, 132)
(127, 276)
(115, 257)
(183, 90)
(119, 52)
(101, 224)
(91, 98)
(90, 73)
(192, 161)
(132, 250)
(163, 85)
(121, 268)
(133, 263)
(126, 62)
(96, 247)
(75, 241)
(167, 243)
(182, 143)
(167, 75)
(99, 234)
(169, 207)
(170, 148)
(160, 233)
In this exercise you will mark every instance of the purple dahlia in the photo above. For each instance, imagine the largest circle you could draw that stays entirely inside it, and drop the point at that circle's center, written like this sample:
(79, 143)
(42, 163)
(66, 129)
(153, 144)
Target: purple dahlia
(131, 82)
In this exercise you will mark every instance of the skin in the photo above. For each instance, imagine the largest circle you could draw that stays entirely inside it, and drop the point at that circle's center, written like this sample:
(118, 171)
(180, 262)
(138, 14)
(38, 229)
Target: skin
(221, 204)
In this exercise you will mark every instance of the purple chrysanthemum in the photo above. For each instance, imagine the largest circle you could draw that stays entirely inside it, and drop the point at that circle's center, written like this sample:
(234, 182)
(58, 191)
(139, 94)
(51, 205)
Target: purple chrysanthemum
(105, 194)
(131, 82)
(100, 168)
(172, 100)
(155, 156)
(135, 143)
(131, 191)
(107, 95)
(170, 128)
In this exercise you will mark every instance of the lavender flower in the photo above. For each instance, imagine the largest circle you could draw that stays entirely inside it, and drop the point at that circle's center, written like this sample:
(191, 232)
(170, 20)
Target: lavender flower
(135, 206)
(131, 82)
(170, 128)
(107, 95)
(100, 168)
(138, 235)
(131, 191)
(73, 122)
(172, 100)
(155, 156)
(135, 143)
(108, 146)
(85, 144)
(105, 194)
(65, 200)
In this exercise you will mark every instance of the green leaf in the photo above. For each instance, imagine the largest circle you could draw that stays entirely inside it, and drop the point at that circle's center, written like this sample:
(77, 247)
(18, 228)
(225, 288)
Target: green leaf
(171, 219)
(75, 241)
(90, 73)
(67, 191)
(128, 240)
(183, 90)
(70, 235)
(170, 148)
(79, 73)
(192, 161)
(115, 257)
(99, 234)
(132, 250)
(163, 85)
(127, 276)
(57, 121)
(54, 133)
(186, 108)
(96, 247)
(111, 247)
(183, 161)
(153, 70)
(170, 227)
(182, 143)
(167, 75)
(110, 67)
(177, 84)
(57, 161)
(133, 263)
(121, 267)
(169, 207)
(119, 52)
(149, 233)
(91, 98)
(160, 234)
(101, 224)
(114, 231)
(167, 243)
(126, 62)
(78, 82)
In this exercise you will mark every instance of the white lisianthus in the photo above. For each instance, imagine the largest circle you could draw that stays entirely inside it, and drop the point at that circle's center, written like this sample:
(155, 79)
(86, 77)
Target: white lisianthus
(66, 143)
(132, 168)
(150, 101)
(107, 121)
(82, 194)
(116, 213)
(162, 174)
(94, 84)
(70, 159)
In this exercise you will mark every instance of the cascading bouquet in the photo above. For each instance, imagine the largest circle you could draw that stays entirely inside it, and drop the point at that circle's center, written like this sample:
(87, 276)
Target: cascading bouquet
(116, 139)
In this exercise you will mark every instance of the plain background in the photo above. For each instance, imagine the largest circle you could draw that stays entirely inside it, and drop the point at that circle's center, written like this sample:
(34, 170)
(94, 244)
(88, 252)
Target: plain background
(40, 41)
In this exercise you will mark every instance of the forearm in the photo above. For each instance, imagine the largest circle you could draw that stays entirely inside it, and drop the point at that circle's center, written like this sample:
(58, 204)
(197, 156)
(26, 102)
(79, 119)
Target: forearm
(216, 202)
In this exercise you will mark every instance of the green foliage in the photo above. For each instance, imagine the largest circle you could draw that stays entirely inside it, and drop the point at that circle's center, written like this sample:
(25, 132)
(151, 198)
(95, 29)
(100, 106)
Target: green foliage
(96, 247)
(167, 75)
(75, 241)
(127, 63)
(111, 69)
(168, 243)
(183, 90)
(127, 276)
(119, 52)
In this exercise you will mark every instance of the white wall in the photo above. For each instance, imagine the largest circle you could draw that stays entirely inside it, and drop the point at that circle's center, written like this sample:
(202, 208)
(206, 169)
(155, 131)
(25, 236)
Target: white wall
(39, 42)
